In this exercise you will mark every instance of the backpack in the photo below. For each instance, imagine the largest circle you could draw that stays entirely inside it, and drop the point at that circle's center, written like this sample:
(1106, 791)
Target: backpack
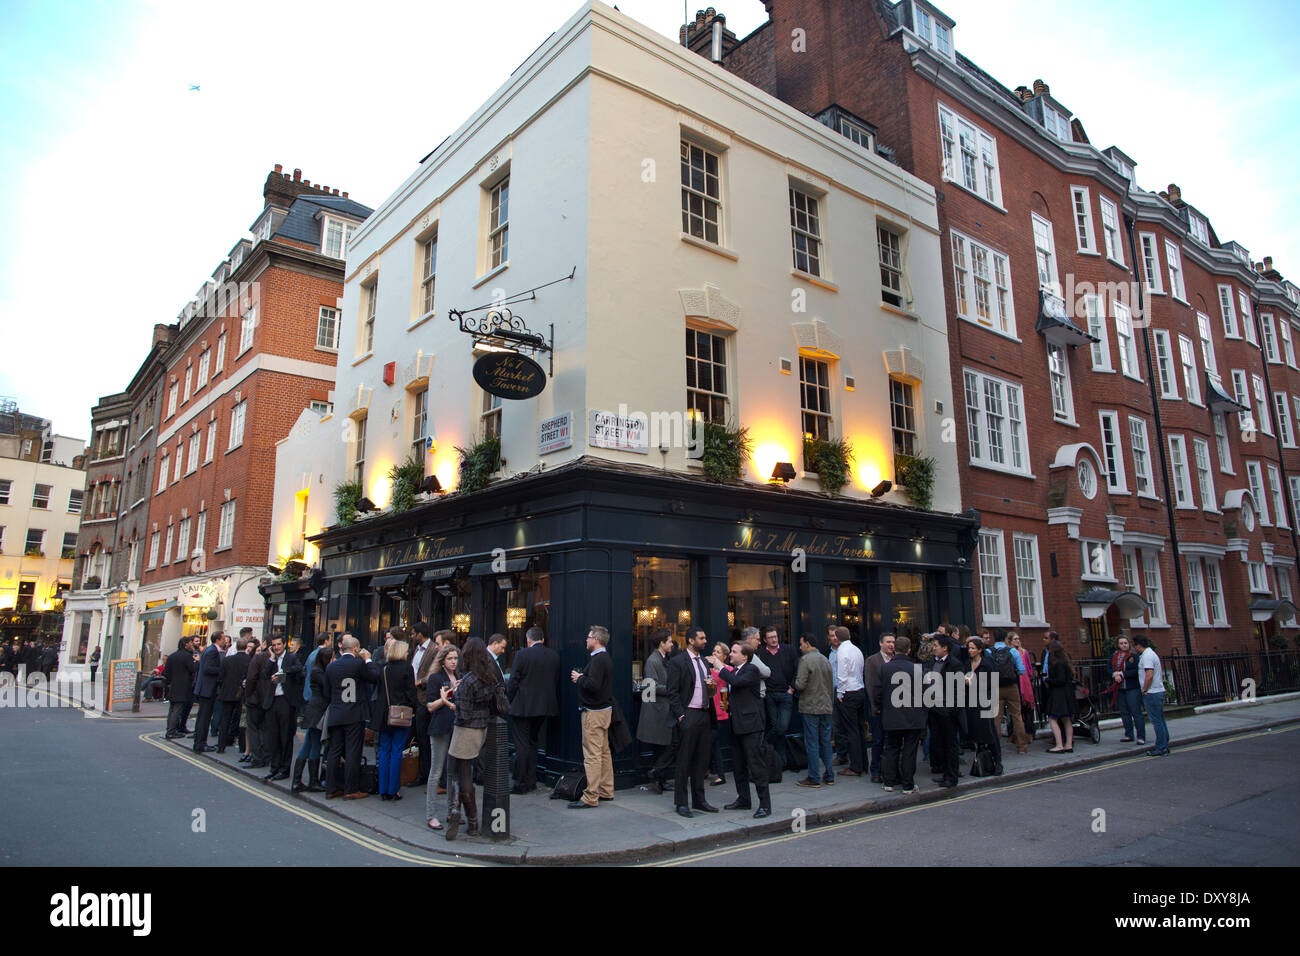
(1006, 665)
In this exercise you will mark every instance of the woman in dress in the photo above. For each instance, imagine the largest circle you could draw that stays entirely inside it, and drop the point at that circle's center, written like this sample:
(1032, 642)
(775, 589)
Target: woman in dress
(441, 686)
(981, 676)
(477, 696)
(1061, 705)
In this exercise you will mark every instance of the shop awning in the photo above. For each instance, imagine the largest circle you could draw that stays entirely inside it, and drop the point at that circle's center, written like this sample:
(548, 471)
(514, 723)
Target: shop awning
(1054, 322)
(388, 581)
(513, 565)
(1265, 609)
(158, 611)
(1097, 601)
(1218, 400)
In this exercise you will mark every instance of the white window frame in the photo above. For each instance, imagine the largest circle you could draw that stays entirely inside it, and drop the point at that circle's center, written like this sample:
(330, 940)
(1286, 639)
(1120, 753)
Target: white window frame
(155, 540)
(162, 473)
(1110, 231)
(1255, 480)
(176, 470)
(1024, 550)
(167, 545)
(994, 282)
(192, 454)
(211, 449)
(1241, 392)
(1126, 340)
(1092, 548)
(1208, 358)
(247, 327)
(1279, 497)
(991, 546)
(1132, 582)
(1137, 432)
(172, 394)
(370, 293)
(1282, 404)
(428, 273)
(200, 532)
(1214, 593)
(1112, 453)
(226, 528)
(1058, 375)
(1288, 345)
(1166, 378)
(1180, 472)
(1081, 207)
(1294, 482)
(1199, 228)
(805, 230)
(1222, 445)
(1094, 308)
(1269, 330)
(701, 208)
(893, 263)
(1174, 262)
(221, 353)
(183, 540)
(343, 234)
(237, 417)
(1196, 588)
(1247, 317)
(1049, 273)
(327, 335)
(968, 156)
(1150, 252)
(358, 456)
(205, 366)
(1008, 434)
(1191, 377)
(1154, 593)
(1257, 575)
(189, 383)
(1204, 474)
(1265, 423)
(1229, 313)
(419, 423)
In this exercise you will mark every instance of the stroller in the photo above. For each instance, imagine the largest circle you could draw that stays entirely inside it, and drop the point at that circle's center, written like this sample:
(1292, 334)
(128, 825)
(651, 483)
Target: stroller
(1088, 721)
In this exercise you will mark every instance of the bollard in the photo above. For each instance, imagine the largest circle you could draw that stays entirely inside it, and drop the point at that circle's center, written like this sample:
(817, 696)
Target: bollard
(494, 821)
(135, 698)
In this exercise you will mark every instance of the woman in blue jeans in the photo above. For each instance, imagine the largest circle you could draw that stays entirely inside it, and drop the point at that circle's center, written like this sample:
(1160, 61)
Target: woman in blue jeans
(396, 688)
(1130, 694)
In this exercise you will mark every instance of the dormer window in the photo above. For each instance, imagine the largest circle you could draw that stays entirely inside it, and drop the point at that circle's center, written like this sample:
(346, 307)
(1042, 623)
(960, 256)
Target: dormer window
(262, 229)
(1200, 231)
(1055, 122)
(933, 28)
(858, 133)
(337, 234)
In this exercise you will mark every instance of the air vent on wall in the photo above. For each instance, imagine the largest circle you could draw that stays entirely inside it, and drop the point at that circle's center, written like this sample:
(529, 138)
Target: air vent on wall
(850, 383)
(787, 366)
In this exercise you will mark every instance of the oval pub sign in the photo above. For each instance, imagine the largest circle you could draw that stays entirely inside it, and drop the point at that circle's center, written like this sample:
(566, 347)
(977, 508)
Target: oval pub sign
(509, 375)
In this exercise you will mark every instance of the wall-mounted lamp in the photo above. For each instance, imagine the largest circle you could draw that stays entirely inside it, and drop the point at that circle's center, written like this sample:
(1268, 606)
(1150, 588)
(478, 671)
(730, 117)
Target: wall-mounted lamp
(783, 472)
(507, 582)
(365, 505)
(431, 486)
(881, 489)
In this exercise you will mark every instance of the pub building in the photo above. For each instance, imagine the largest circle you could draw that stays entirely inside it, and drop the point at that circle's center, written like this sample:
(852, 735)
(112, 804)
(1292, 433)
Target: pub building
(536, 320)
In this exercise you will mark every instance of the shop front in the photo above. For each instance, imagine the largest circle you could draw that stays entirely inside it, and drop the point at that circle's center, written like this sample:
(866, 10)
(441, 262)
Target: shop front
(635, 550)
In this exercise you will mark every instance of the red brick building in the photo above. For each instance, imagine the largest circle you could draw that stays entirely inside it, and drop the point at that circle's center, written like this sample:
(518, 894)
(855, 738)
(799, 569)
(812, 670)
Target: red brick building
(255, 347)
(1093, 353)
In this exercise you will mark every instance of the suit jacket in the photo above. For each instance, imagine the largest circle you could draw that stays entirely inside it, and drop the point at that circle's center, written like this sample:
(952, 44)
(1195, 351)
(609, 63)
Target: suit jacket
(422, 675)
(288, 665)
(940, 669)
(871, 675)
(899, 705)
(534, 687)
(315, 708)
(748, 714)
(234, 668)
(205, 684)
(257, 681)
(179, 673)
(655, 725)
(682, 675)
(295, 676)
(361, 673)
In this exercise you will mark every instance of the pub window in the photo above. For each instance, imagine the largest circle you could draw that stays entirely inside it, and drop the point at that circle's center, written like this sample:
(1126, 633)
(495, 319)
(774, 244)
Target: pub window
(903, 413)
(706, 377)
(758, 595)
(815, 401)
(661, 597)
(911, 608)
(490, 417)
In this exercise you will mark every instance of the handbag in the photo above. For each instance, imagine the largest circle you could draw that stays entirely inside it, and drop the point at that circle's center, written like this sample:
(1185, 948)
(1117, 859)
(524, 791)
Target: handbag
(399, 715)
(410, 766)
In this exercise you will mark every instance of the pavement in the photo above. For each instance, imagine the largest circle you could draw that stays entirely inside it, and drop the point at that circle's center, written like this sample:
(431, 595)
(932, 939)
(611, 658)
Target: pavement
(642, 826)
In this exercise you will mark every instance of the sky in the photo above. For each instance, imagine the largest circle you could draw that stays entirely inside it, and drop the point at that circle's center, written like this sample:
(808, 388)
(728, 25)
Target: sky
(127, 188)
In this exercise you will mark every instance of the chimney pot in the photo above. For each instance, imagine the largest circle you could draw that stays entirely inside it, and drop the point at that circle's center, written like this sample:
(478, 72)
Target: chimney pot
(278, 167)
(1040, 87)
(1268, 263)
(345, 195)
(297, 175)
(336, 192)
(699, 19)
(306, 182)
(681, 34)
(1259, 267)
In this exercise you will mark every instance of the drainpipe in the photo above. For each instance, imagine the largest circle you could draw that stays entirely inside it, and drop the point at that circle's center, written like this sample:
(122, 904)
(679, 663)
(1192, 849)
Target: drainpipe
(1129, 224)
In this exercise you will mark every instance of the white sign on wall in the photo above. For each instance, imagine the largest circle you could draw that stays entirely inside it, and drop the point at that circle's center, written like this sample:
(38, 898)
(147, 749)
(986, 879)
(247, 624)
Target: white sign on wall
(555, 433)
(247, 617)
(620, 432)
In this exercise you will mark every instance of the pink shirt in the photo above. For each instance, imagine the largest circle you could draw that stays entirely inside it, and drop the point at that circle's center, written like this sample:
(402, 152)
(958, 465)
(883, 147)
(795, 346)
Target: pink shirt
(697, 662)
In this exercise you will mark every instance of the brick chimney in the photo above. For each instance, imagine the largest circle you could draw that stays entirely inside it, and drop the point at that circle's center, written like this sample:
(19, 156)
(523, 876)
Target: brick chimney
(698, 35)
(280, 190)
(1175, 196)
(1041, 88)
(1024, 94)
(1268, 263)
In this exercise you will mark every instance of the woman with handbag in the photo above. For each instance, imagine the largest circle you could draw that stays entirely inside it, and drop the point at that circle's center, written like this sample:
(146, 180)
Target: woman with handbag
(981, 678)
(440, 686)
(721, 733)
(1061, 705)
(313, 720)
(479, 696)
(392, 717)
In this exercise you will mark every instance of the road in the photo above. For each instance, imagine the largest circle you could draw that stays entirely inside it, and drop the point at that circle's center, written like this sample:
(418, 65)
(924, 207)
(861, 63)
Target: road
(1231, 802)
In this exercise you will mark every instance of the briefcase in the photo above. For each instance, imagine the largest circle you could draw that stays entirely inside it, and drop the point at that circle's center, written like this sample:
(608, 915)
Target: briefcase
(410, 766)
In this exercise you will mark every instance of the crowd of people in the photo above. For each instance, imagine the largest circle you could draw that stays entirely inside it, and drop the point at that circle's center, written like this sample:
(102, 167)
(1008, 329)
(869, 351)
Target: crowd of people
(34, 657)
(422, 690)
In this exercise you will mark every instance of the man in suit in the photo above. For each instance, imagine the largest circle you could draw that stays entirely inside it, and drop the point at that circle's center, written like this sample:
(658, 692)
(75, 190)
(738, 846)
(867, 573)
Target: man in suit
(596, 702)
(257, 684)
(178, 673)
(944, 751)
(690, 692)
(655, 725)
(234, 668)
(748, 722)
(533, 691)
(348, 678)
(871, 678)
(896, 699)
(422, 654)
(280, 710)
(205, 688)
(496, 645)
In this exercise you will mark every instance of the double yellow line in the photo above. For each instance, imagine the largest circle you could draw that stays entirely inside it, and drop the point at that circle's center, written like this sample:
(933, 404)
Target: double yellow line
(973, 795)
(324, 821)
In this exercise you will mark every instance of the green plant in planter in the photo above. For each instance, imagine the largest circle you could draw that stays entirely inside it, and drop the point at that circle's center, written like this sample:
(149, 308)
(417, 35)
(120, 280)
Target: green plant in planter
(405, 479)
(478, 463)
(832, 459)
(346, 496)
(916, 477)
(725, 452)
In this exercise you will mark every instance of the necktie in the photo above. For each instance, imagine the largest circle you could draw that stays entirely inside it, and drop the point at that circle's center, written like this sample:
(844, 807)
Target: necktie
(699, 668)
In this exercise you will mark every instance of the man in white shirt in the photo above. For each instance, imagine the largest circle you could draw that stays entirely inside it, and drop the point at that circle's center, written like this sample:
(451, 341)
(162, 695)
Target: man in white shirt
(1151, 674)
(850, 698)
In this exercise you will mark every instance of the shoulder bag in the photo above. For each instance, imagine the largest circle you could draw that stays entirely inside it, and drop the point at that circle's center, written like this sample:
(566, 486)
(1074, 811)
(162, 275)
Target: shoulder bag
(399, 715)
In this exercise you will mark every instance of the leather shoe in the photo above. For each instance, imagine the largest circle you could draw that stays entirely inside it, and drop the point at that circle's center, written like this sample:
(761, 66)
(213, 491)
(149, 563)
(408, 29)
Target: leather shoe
(355, 796)
(201, 749)
(738, 805)
(684, 812)
(221, 748)
(850, 773)
(579, 805)
(280, 775)
(877, 778)
(762, 812)
(336, 793)
(257, 764)
(706, 808)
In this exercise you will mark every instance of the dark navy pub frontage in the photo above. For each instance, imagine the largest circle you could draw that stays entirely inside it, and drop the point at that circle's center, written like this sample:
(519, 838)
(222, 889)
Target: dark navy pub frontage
(634, 549)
